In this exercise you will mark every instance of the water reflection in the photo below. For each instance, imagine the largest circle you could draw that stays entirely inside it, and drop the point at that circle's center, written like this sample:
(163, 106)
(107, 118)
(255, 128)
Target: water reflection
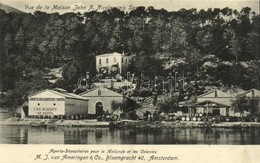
(74, 135)
(65, 135)
(13, 135)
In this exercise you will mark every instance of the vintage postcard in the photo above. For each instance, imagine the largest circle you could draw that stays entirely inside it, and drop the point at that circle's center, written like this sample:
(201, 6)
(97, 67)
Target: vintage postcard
(129, 80)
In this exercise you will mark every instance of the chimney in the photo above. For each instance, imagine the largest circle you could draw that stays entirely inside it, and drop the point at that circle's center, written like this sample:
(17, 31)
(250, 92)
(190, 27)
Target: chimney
(253, 93)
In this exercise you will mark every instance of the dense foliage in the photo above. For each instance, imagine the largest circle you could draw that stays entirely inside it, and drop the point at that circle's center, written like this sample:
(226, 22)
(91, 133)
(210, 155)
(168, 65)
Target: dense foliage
(168, 102)
(242, 103)
(40, 41)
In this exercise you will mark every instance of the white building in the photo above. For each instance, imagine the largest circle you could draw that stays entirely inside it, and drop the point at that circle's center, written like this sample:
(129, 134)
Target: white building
(54, 103)
(101, 99)
(111, 61)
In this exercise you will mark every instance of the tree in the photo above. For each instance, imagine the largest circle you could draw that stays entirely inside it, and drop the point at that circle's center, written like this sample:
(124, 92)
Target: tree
(148, 66)
(70, 75)
(115, 105)
(168, 102)
(112, 44)
(252, 45)
(205, 40)
(7, 44)
(254, 106)
(233, 46)
(135, 24)
(19, 39)
(240, 104)
(178, 36)
(41, 41)
(26, 85)
(250, 104)
(127, 105)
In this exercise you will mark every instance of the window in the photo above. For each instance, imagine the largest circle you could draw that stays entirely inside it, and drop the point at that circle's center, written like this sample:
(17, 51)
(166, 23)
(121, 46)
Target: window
(38, 103)
(99, 92)
(54, 104)
(122, 60)
(126, 61)
(106, 60)
(100, 61)
(114, 59)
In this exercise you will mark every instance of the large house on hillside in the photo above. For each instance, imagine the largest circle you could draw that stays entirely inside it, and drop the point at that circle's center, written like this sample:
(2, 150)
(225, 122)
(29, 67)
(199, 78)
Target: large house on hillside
(112, 62)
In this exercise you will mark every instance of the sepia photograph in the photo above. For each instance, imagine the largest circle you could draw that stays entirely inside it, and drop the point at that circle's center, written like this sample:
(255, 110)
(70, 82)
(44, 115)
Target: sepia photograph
(129, 72)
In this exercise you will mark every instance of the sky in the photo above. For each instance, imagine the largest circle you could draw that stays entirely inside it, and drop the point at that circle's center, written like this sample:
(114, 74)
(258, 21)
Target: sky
(170, 5)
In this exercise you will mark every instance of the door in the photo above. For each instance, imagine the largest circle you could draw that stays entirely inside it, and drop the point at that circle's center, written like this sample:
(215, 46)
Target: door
(99, 108)
(216, 112)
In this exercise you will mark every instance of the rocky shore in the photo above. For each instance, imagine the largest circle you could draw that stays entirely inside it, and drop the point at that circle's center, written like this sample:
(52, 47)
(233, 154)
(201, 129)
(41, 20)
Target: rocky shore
(125, 124)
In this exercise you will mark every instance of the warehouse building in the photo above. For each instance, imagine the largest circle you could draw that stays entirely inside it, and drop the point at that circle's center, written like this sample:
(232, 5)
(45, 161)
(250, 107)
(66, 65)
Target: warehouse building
(215, 103)
(56, 102)
(220, 103)
(101, 100)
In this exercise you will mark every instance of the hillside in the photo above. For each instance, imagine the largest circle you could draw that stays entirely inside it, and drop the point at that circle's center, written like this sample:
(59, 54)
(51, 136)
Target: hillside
(9, 9)
(199, 49)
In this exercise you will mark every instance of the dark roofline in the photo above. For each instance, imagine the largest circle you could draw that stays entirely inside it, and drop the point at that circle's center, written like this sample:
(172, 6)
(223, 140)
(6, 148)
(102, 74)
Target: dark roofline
(103, 96)
(212, 102)
(106, 54)
(247, 92)
(93, 89)
(212, 92)
(218, 97)
(87, 91)
(77, 98)
(38, 92)
(207, 93)
(58, 93)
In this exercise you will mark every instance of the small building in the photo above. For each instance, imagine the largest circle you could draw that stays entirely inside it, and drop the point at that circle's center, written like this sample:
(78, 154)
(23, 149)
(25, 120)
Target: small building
(215, 103)
(55, 103)
(112, 62)
(101, 100)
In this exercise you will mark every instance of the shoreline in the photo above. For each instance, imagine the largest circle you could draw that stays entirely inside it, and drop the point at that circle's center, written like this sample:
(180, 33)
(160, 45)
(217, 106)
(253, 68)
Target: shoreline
(125, 124)
(189, 124)
(53, 122)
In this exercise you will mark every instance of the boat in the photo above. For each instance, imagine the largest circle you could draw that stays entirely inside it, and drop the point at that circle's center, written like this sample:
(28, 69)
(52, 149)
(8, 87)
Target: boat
(42, 124)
